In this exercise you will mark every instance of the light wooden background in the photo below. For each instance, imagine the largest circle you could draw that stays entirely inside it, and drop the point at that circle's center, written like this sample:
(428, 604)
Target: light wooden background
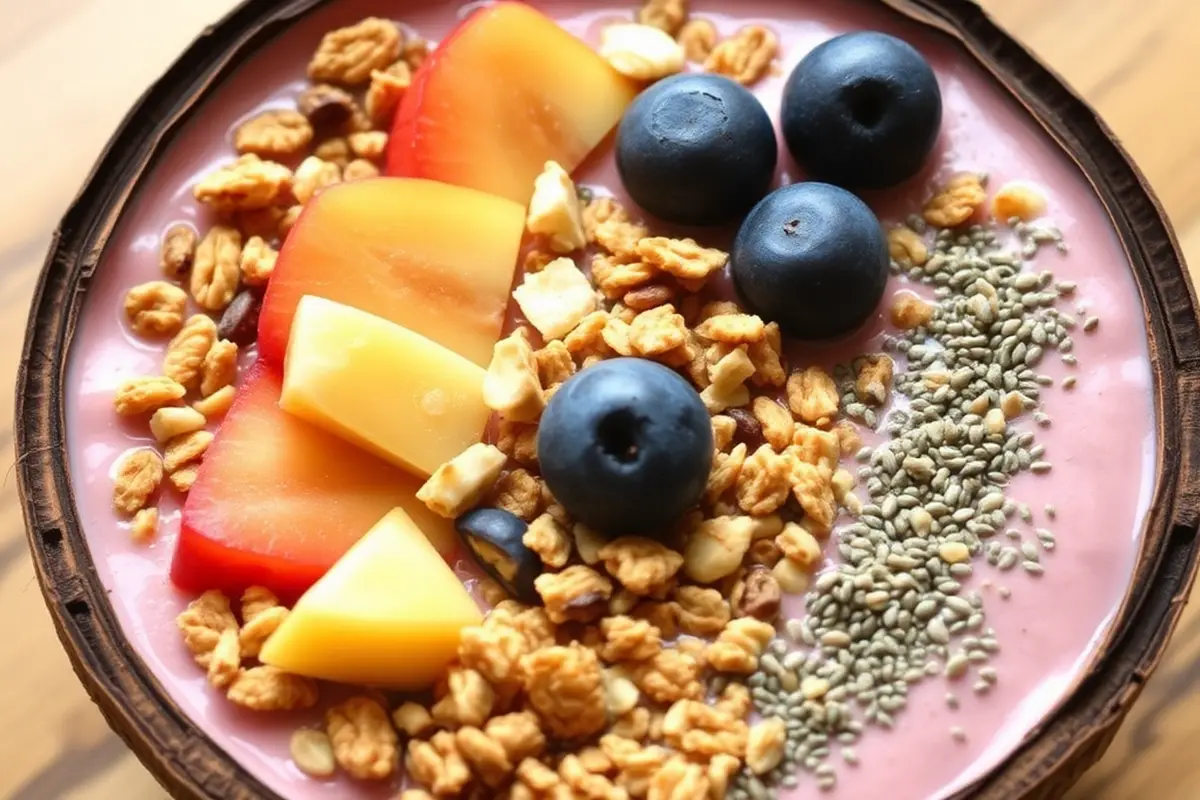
(70, 68)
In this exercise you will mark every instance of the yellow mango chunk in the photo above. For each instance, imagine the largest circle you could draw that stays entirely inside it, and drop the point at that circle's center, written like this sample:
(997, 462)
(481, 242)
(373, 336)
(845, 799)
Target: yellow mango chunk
(389, 613)
(381, 386)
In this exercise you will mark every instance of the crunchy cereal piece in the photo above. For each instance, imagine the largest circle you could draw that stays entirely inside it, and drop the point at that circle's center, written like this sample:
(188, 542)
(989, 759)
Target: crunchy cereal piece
(849, 440)
(518, 441)
(874, 380)
(791, 577)
(701, 611)
(906, 247)
(698, 38)
(550, 540)
(593, 760)
(413, 719)
(629, 639)
(721, 770)
(814, 446)
(812, 395)
(469, 699)
(225, 659)
(183, 362)
(512, 386)
(172, 421)
(269, 689)
(814, 492)
(641, 52)
(622, 602)
(738, 647)
(799, 545)
(387, 88)
(438, 764)
(335, 150)
(735, 700)
(257, 261)
(185, 449)
(909, 311)
(641, 565)
(727, 378)
(956, 201)
(617, 233)
(669, 676)
(485, 755)
(312, 176)
(765, 745)
(216, 404)
(766, 355)
(144, 526)
(657, 331)
(460, 483)
(554, 363)
(746, 56)
(757, 595)
(258, 628)
(616, 276)
(733, 328)
(621, 695)
(289, 219)
(636, 764)
(644, 298)
(588, 543)
(257, 600)
(1018, 200)
(518, 733)
(217, 269)
(494, 651)
(662, 615)
(724, 428)
(245, 185)
(668, 15)
(178, 250)
(578, 593)
(370, 145)
(715, 549)
(519, 493)
(536, 259)
(349, 55)
(726, 469)
(583, 782)
(679, 779)
(555, 211)
(203, 622)
(220, 367)
(155, 308)
(776, 421)
(683, 258)
(415, 794)
(276, 134)
(326, 107)
(703, 731)
(557, 299)
(183, 478)
(138, 476)
(260, 222)
(359, 169)
(536, 780)
(565, 686)
(764, 482)
(634, 724)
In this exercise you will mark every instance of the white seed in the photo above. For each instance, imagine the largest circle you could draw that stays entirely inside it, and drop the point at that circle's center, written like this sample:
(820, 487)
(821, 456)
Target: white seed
(312, 753)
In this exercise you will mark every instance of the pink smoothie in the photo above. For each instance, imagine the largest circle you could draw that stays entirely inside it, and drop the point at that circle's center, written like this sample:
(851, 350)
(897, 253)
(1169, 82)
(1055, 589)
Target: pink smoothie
(1101, 441)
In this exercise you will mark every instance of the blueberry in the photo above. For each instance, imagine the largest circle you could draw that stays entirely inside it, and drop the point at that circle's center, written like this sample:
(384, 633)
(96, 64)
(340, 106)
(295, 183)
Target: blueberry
(696, 150)
(626, 446)
(494, 537)
(813, 258)
(862, 110)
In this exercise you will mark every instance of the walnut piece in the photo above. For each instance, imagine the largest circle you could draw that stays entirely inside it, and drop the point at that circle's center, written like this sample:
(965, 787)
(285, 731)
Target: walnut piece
(643, 566)
(518, 733)
(812, 395)
(413, 719)
(387, 88)
(178, 250)
(460, 483)
(698, 38)
(555, 211)
(700, 730)
(370, 145)
(257, 261)
(642, 52)
(217, 268)
(764, 482)
(245, 185)
(701, 612)
(679, 779)
(669, 15)
(906, 247)
(155, 309)
(183, 361)
(256, 630)
(814, 492)
(565, 686)
(738, 647)
(746, 56)
(364, 742)
(203, 622)
(485, 755)
(512, 385)
(671, 675)
(349, 55)
(469, 699)
(874, 380)
(909, 311)
(438, 764)
(733, 328)
(138, 476)
(556, 299)
(629, 639)
(578, 594)
(277, 134)
(550, 540)
(956, 201)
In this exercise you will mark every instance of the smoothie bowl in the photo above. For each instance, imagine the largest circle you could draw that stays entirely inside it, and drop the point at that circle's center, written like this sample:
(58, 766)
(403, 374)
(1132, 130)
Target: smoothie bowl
(567, 399)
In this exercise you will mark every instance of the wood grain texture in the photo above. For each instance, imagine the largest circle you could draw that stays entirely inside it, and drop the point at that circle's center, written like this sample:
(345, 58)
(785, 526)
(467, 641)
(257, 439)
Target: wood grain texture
(68, 84)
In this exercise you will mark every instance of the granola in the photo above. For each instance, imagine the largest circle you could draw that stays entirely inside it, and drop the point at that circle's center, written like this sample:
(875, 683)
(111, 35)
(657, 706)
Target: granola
(257, 261)
(746, 56)
(956, 202)
(155, 309)
(247, 184)
(183, 362)
(565, 686)
(216, 271)
(738, 647)
(550, 540)
(701, 611)
(276, 135)
(629, 639)
(461, 482)
(348, 55)
(512, 385)
(438, 764)
(555, 211)
(203, 622)
(716, 548)
(139, 474)
(643, 566)
(219, 368)
(578, 594)
(387, 88)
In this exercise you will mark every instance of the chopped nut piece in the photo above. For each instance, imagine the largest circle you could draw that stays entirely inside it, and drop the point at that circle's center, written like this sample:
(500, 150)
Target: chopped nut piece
(326, 107)
(715, 549)
(792, 578)
(257, 261)
(641, 52)
(469, 699)
(814, 492)
(746, 56)
(216, 404)
(270, 689)
(1018, 201)
(178, 250)
(906, 247)
(183, 478)
(518, 493)
(849, 440)
(643, 566)
(956, 202)
(764, 749)
(812, 395)
(738, 647)
(183, 362)
(702, 612)
(349, 55)
(721, 770)
(799, 545)
(460, 483)
(577, 594)
(735, 700)
(277, 134)
(185, 449)
(554, 210)
(874, 380)
(776, 421)
(764, 482)
(549, 540)
(155, 308)
(413, 718)
(557, 299)
(726, 469)
(703, 731)
(312, 753)
(910, 311)
(565, 686)
(225, 659)
(438, 764)
(387, 88)
(258, 628)
(669, 15)
(669, 676)
(138, 476)
(289, 219)
(657, 331)
(359, 169)
(370, 145)
(621, 695)
(698, 38)
(512, 386)
(217, 271)
(682, 258)
(220, 367)
(203, 622)
(415, 51)
(313, 175)
(518, 733)
(245, 185)
(172, 421)
(629, 639)
(144, 526)
(485, 756)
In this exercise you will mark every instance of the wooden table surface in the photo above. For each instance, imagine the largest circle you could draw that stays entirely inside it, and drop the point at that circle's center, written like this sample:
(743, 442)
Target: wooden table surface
(69, 69)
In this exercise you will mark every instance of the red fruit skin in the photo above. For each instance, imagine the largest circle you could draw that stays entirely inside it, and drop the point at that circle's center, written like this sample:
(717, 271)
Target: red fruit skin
(278, 501)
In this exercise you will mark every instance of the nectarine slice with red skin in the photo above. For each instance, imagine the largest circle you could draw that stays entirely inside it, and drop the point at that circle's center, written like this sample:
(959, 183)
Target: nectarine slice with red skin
(505, 92)
(278, 501)
(435, 258)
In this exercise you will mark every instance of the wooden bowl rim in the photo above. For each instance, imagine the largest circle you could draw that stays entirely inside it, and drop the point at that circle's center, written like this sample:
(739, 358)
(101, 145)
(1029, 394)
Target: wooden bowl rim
(192, 767)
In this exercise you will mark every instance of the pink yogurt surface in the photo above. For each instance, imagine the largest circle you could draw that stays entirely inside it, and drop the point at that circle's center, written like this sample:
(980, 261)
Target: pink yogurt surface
(1101, 442)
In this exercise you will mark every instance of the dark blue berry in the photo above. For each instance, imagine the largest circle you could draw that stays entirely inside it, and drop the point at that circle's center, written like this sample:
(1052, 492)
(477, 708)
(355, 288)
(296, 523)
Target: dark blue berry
(813, 258)
(696, 150)
(494, 537)
(626, 446)
(862, 110)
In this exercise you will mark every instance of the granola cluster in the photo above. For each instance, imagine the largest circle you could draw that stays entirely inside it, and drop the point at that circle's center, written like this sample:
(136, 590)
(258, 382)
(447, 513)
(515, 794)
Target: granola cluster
(747, 56)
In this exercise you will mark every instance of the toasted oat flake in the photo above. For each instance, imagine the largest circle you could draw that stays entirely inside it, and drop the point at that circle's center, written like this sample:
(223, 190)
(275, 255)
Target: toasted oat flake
(155, 309)
(225, 660)
(276, 134)
(641, 52)
(556, 299)
(143, 394)
(348, 55)
(203, 622)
